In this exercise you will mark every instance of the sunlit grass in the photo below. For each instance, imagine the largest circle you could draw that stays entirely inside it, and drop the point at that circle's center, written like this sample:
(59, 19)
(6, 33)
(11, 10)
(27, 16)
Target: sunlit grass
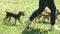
(15, 6)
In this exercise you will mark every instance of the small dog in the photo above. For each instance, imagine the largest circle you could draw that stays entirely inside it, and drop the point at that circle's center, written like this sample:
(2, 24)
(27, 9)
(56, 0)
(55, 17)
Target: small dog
(46, 15)
(15, 16)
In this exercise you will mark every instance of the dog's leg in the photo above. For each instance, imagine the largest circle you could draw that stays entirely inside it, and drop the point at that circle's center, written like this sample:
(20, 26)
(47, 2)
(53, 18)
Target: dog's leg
(5, 17)
(39, 19)
(19, 21)
(47, 18)
(35, 19)
(9, 18)
(44, 19)
(15, 22)
(57, 19)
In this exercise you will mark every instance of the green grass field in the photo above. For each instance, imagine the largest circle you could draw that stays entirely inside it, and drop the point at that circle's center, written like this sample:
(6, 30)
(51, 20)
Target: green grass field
(15, 6)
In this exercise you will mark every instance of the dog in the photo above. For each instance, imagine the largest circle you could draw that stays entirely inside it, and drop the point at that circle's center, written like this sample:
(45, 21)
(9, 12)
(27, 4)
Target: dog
(15, 16)
(46, 15)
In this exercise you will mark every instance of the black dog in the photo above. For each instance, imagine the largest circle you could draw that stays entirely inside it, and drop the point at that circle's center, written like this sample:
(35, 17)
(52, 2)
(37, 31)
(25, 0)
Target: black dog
(15, 16)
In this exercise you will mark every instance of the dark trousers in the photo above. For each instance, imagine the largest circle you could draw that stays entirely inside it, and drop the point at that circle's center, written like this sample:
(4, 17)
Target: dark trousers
(42, 4)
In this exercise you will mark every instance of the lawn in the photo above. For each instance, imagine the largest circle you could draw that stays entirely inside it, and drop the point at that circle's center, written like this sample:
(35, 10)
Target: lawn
(15, 6)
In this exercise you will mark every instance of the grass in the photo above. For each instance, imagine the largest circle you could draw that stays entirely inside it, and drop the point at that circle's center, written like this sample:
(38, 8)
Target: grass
(20, 5)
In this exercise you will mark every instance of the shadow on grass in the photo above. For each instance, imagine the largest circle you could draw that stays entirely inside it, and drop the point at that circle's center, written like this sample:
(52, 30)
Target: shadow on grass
(34, 31)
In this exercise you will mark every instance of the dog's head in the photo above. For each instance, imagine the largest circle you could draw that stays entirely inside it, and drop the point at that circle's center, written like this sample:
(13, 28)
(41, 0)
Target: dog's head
(21, 13)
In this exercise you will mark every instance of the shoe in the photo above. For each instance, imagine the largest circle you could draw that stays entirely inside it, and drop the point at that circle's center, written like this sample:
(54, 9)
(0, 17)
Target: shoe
(28, 22)
(54, 27)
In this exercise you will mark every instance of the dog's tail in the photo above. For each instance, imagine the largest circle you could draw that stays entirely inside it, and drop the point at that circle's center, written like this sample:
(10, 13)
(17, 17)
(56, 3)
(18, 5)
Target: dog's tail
(7, 12)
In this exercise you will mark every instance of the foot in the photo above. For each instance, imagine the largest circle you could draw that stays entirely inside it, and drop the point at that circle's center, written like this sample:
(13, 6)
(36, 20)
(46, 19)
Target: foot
(28, 22)
(54, 27)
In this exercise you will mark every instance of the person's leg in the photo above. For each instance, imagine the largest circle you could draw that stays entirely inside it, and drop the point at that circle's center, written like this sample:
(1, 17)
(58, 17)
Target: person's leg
(39, 10)
(52, 7)
(36, 13)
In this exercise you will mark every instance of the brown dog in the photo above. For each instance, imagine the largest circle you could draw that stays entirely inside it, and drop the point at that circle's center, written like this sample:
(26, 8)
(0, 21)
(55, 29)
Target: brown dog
(46, 15)
(15, 16)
